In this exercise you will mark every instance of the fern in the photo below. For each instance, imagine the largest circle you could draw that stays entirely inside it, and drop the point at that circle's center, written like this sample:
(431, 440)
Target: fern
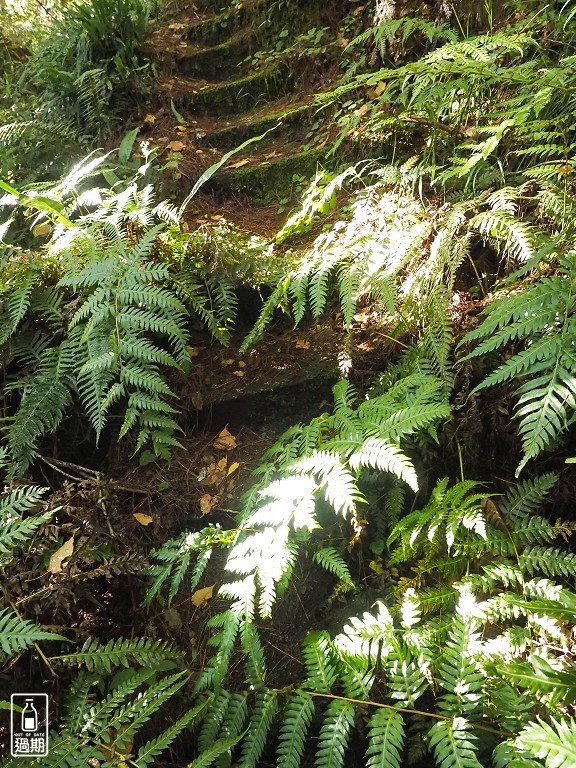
(385, 740)
(334, 735)
(18, 634)
(103, 658)
(294, 732)
(555, 743)
(453, 744)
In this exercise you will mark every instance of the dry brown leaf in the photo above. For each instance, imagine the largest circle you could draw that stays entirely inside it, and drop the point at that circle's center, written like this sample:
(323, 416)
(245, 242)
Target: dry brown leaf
(215, 473)
(176, 146)
(232, 468)
(207, 503)
(239, 373)
(150, 118)
(176, 25)
(225, 441)
(142, 518)
(201, 596)
(65, 551)
(375, 93)
(302, 344)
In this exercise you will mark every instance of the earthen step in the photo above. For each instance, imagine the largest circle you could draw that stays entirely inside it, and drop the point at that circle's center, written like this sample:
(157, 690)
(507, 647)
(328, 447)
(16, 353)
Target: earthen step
(233, 96)
(268, 181)
(255, 124)
(219, 27)
(217, 62)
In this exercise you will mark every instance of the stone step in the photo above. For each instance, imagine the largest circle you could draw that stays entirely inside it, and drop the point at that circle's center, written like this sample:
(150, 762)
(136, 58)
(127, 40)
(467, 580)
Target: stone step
(217, 62)
(233, 96)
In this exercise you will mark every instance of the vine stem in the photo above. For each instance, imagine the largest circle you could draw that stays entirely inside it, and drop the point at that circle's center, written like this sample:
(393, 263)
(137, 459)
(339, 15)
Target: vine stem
(406, 710)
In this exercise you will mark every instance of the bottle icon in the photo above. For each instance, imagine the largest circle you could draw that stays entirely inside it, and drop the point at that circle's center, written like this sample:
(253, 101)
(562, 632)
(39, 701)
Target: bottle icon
(29, 716)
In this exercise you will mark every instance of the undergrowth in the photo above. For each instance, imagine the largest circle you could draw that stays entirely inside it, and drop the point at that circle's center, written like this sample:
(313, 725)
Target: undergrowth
(466, 656)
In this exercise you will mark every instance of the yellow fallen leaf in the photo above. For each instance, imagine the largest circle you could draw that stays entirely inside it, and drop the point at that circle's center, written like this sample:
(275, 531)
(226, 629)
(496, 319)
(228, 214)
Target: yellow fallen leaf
(239, 373)
(142, 518)
(65, 551)
(302, 344)
(241, 364)
(207, 503)
(193, 351)
(228, 361)
(150, 118)
(239, 163)
(225, 441)
(176, 146)
(181, 128)
(41, 230)
(232, 468)
(201, 596)
(176, 25)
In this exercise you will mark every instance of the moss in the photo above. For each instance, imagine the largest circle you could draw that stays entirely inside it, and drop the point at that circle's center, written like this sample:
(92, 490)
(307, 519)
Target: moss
(268, 182)
(216, 29)
(235, 96)
(217, 62)
(234, 134)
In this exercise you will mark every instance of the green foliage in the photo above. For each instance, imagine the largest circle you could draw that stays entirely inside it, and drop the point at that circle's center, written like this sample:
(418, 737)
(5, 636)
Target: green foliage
(540, 318)
(99, 316)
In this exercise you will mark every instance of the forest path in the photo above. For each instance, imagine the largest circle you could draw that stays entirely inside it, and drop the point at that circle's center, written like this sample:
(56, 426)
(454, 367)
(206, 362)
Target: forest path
(229, 73)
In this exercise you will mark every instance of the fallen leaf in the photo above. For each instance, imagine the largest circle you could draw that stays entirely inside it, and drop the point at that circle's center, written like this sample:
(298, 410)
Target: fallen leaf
(229, 361)
(239, 163)
(214, 474)
(176, 25)
(176, 146)
(41, 230)
(150, 119)
(241, 364)
(207, 503)
(232, 468)
(181, 128)
(225, 441)
(201, 596)
(239, 373)
(193, 351)
(142, 518)
(302, 344)
(65, 551)
(375, 93)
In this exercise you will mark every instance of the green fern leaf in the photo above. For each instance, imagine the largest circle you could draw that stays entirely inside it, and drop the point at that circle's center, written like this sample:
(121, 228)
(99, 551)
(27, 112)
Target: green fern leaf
(385, 739)
(453, 744)
(294, 731)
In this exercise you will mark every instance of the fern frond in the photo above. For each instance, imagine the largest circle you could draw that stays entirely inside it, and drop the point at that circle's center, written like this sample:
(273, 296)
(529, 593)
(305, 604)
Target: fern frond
(294, 731)
(17, 634)
(453, 744)
(555, 742)
(385, 739)
(334, 735)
